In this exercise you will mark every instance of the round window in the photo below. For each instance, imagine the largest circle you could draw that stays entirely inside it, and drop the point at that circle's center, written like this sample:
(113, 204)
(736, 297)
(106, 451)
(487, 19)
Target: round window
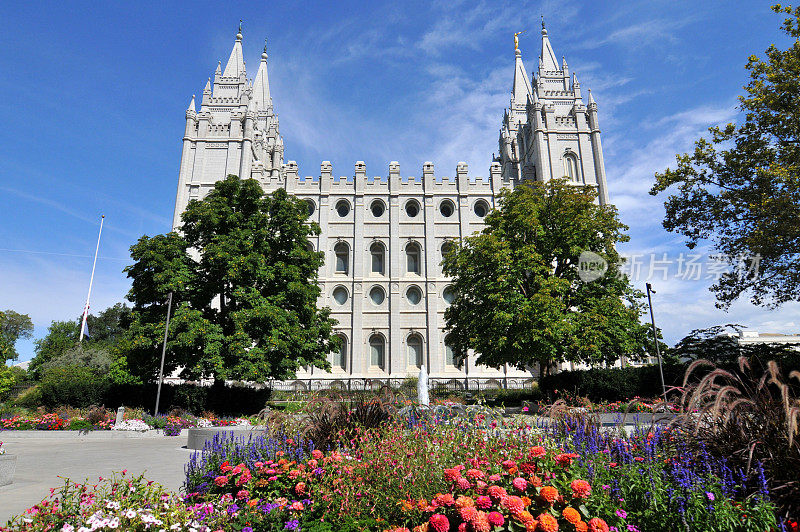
(343, 208)
(449, 295)
(340, 295)
(311, 207)
(376, 295)
(412, 208)
(481, 208)
(447, 208)
(447, 247)
(414, 295)
(377, 208)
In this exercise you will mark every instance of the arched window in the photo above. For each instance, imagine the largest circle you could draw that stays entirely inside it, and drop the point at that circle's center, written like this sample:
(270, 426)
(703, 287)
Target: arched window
(311, 206)
(376, 351)
(378, 208)
(377, 295)
(340, 295)
(447, 208)
(414, 295)
(571, 167)
(342, 253)
(378, 254)
(413, 258)
(447, 247)
(450, 357)
(339, 356)
(481, 208)
(342, 208)
(449, 295)
(412, 208)
(414, 343)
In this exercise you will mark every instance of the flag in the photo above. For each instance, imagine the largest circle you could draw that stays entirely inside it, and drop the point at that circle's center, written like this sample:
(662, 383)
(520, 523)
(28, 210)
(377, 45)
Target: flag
(85, 330)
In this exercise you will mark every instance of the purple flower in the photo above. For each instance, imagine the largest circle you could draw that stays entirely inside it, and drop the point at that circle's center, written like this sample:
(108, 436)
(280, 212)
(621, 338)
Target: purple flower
(294, 524)
(632, 528)
(622, 514)
(247, 529)
(710, 496)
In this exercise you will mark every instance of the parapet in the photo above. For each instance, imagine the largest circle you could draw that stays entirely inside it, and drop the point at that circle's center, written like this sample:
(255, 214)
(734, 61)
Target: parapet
(427, 183)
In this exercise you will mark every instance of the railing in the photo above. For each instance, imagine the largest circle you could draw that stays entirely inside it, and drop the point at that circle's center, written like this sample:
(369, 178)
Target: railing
(454, 385)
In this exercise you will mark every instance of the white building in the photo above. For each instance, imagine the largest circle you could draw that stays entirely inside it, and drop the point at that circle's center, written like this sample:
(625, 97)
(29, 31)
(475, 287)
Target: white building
(383, 236)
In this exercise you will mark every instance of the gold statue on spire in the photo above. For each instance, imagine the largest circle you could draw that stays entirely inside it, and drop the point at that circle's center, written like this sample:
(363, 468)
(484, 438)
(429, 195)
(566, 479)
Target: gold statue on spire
(516, 39)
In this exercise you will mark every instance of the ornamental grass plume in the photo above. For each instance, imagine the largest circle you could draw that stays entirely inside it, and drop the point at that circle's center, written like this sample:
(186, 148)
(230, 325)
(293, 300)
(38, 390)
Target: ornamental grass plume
(751, 421)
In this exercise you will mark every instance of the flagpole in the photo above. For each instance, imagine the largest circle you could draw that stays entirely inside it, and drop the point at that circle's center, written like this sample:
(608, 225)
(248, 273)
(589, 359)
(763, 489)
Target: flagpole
(91, 280)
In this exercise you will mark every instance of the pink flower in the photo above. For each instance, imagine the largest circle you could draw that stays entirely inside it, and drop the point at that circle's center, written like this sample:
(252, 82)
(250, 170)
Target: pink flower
(463, 483)
(221, 481)
(297, 506)
(468, 514)
(513, 504)
(496, 492)
(439, 523)
(580, 489)
(300, 488)
(474, 474)
(496, 519)
(520, 484)
(483, 502)
(243, 494)
(316, 454)
(451, 475)
(495, 478)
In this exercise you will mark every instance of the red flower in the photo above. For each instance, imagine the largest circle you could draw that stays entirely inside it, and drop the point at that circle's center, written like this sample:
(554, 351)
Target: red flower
(221, 481)
(580, 489)
(496, 519)
(536, 452)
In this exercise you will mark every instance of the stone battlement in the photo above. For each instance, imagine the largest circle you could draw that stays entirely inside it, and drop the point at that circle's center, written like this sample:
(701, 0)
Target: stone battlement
(359, 181)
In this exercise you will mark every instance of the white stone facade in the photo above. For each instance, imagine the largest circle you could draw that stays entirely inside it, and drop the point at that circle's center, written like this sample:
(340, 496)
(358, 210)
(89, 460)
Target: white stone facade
(383, 237)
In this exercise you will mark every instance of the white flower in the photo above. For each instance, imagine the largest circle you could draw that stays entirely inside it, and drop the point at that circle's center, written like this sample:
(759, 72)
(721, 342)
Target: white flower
(67, 528)
(112, 505)
(132, 424)
(114, 523)
(130, 514)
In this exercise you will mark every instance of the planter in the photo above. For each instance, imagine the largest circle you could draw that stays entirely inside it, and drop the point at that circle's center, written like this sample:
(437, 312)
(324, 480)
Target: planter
(8, 464)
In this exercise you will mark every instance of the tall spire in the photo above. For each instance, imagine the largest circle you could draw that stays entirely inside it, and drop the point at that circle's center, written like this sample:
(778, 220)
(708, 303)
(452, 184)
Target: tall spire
(261, 95)
(547, 59)
(191, 106)
(235, 66)
(522, 87)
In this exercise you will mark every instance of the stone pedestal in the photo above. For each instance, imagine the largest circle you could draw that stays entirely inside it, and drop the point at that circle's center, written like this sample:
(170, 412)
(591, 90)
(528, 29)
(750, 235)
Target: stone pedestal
(8, 464)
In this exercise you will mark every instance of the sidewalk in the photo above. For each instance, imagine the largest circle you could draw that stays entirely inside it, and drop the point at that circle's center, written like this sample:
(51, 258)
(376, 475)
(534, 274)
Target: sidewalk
(40, 462)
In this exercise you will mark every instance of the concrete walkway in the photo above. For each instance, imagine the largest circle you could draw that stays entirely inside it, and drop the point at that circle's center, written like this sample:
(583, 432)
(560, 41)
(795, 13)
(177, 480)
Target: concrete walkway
(40, 462)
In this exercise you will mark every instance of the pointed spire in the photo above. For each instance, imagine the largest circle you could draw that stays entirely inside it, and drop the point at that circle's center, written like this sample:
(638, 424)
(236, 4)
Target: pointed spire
(547, 59)
(235, 66)
(522, 87)
(261, 95)
(208, 86)
(218, 71)
(191, 108)
(591, 98)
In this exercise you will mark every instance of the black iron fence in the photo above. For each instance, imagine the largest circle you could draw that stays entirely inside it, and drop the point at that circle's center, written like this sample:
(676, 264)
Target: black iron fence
(437, 385)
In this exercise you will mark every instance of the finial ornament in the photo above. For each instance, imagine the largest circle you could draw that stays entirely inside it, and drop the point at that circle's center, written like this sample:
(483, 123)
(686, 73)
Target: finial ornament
(265, 44)
(542, 21)
(240, 26)
(516, 39)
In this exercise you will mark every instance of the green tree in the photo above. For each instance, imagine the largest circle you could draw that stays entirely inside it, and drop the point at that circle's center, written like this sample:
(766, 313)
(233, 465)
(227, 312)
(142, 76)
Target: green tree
(720, 344)
(519, 297)
(243, 278)
(741, 189)
(13, 326)
(106, 329)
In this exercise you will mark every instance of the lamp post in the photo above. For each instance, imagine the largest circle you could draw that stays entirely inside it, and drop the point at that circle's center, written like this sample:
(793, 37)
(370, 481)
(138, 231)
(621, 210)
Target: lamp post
(163, 354)
(655, 338)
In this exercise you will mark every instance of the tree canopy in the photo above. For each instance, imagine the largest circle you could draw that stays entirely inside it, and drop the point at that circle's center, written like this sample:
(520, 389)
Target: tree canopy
(520, 299)
(13, 326)
(741, 190)
(243, 276)
(720, 345)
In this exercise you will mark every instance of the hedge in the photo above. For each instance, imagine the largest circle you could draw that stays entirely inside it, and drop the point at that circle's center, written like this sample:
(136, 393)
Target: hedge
(612, 384)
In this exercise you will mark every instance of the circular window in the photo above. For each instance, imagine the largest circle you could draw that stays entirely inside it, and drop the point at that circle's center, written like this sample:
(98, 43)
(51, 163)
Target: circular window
(447, 208)
(377, 295)
(414, 295)
(343, 208)
(447, 247)
(449, 295)
(481, 208)
(340, 295)
(412, 208)
(377, 208)
(311, 207)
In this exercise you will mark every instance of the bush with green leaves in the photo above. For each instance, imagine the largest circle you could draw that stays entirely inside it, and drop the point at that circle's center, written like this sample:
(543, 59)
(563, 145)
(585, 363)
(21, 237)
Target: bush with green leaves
(71, 385)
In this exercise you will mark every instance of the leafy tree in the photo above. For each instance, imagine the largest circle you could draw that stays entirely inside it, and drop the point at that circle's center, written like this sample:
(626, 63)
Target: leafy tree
(105, 331)
(520, 299)
(720, 344)
(741, 189)
(244, 288)
(13, 326)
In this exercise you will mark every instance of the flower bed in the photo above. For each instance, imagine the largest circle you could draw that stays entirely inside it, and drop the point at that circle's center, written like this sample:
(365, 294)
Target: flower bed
(441, 477)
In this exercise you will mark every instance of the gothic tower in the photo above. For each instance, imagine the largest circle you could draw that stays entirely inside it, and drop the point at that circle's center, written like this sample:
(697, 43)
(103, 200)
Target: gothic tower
(547, 131)
(235, 132)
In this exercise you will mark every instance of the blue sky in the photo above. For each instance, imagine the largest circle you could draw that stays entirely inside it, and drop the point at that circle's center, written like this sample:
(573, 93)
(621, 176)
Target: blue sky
(93, 96)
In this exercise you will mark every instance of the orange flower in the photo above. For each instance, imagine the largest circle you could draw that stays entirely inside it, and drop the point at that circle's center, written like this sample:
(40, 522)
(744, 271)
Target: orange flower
(526, 501)
(581, 526)
(421, 528)
(549, 494)
(464, 502)
(536, 452)
(571, 515)
(407, 505)
(597, 525)
(524, 517)
(547, 523)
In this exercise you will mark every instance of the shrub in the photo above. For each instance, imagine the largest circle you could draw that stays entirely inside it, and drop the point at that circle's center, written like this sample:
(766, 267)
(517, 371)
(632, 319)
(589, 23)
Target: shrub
(612, 384)
(71, 385)
(750, 420)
